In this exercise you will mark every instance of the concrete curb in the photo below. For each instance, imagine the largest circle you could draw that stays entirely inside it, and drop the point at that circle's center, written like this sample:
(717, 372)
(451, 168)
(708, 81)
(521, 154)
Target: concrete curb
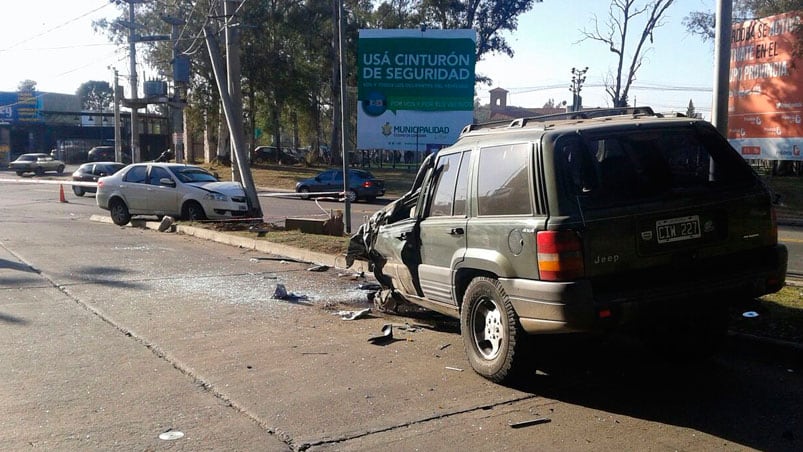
(761, 345)
(263, 246)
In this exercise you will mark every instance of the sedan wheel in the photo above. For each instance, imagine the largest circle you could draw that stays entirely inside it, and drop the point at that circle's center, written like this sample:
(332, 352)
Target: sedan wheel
(304, 192)
(60, 169)
(351, 195)
(492, 336)
(39, 171)
(79, 191)
(194, 212)
(119, 212)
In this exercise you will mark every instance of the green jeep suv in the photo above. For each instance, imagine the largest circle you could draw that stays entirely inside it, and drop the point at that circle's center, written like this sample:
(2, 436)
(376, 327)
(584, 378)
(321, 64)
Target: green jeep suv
(578, 222)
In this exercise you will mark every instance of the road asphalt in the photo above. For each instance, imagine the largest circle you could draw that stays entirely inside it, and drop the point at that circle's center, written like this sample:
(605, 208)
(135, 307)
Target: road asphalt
(783, 349)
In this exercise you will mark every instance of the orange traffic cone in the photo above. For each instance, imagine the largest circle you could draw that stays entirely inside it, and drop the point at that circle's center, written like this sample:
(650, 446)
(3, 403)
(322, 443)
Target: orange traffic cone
(61, 193)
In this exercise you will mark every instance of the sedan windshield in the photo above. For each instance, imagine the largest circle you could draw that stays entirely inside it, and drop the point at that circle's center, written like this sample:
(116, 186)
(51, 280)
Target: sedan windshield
(190, 174)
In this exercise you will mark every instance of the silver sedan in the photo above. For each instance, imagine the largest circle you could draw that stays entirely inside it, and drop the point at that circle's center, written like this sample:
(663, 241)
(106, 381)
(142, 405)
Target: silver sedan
(178, 190)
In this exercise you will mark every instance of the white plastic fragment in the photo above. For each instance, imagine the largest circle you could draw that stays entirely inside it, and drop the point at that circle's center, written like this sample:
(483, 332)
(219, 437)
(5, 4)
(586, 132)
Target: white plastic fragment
(171, 435)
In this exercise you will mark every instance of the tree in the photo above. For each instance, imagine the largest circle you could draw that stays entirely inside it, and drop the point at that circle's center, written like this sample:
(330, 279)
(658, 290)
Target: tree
(26, 85)
(95, 95)
(615, 34)
(703, 23)
(690, 111)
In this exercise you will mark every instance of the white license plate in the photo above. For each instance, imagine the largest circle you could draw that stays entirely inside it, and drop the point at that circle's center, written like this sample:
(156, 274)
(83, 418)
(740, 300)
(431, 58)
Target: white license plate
(677, 229)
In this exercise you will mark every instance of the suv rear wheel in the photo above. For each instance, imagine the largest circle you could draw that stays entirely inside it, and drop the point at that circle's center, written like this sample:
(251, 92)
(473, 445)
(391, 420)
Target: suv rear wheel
(492, 336)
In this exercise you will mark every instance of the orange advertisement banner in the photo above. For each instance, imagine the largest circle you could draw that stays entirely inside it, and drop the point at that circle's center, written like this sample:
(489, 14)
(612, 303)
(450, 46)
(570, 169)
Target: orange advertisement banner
(765, 102)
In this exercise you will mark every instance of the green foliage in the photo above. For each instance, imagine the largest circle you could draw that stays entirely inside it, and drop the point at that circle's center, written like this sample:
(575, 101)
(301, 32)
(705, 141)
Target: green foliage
(95, 95)
(290, 80)
(26, 85)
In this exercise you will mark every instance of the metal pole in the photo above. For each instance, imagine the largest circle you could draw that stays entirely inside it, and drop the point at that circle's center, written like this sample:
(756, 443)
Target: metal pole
(132, 50)
(235, 123)
(722, 43)
(343, 116)
(233, 72)
(118, 143)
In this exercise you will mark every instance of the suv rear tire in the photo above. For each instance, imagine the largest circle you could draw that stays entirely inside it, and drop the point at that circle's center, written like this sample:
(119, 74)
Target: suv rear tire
(492, 336)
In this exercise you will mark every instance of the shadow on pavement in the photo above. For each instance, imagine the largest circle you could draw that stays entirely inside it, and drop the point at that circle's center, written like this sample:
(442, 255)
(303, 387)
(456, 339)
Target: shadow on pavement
(740, 400)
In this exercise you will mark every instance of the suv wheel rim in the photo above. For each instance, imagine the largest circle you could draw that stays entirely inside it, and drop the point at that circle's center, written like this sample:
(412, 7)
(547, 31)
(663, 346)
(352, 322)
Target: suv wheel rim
(488, 330)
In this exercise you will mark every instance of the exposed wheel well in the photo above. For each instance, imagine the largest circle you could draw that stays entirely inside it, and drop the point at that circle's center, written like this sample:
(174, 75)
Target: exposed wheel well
(463, 278)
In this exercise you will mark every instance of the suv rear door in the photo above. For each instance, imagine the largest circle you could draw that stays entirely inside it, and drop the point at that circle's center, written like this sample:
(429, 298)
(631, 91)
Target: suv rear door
(442, 232)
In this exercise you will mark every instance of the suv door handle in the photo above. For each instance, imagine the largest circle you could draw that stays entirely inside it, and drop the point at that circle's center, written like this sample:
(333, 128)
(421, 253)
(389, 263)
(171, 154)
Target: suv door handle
(457, 231)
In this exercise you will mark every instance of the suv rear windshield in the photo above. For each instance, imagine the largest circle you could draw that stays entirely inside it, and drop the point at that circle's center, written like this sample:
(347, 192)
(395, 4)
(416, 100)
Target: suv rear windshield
(620, 168)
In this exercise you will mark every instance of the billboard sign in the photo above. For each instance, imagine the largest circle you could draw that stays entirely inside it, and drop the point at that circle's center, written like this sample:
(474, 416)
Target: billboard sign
(765, 103)
(415, 89)
(20, 107)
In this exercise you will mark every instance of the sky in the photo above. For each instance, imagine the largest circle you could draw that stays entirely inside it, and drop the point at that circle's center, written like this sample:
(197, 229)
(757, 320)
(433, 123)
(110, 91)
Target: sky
(53, 43)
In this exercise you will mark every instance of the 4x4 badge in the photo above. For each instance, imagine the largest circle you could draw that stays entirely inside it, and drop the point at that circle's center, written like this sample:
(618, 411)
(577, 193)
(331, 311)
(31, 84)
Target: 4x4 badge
(646, 235)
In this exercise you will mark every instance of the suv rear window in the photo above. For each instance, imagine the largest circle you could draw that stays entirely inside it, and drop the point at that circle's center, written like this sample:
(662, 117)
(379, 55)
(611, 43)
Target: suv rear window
(635, 165)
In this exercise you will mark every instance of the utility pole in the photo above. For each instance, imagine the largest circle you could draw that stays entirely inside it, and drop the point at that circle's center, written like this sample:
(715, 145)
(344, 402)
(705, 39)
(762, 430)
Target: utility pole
(118, 143)
(235, 123)
(578, 78)
(722, 49)
(233, 71)
(181, 77)
(132, 51)
(343, 115)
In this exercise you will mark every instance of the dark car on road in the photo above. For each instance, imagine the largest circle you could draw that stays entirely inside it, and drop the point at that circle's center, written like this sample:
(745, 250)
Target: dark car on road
(105, 154)
(91, 172)
(582, 222)
(272, 154)
(362, 185)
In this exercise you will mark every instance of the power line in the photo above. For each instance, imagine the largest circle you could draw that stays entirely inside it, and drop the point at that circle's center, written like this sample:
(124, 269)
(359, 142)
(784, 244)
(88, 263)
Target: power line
(105, 4)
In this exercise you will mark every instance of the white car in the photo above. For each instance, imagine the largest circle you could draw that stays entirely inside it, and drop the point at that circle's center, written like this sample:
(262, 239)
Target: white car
(174, 189)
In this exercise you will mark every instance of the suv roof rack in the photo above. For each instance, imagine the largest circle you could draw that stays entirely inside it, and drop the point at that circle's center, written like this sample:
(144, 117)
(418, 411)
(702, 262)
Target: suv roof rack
(586, 114)
(583, 114)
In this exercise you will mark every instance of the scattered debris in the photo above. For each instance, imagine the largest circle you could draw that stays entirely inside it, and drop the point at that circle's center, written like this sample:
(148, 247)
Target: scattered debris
(370, 286)
(540, 420)
(352, 276)
(385, 338)
(444, 346)
(281, 293)
(166, 224)
(171, 435)
(750, 314)
(456, 369)
(353, 315)
(318, 268)
(314, 353)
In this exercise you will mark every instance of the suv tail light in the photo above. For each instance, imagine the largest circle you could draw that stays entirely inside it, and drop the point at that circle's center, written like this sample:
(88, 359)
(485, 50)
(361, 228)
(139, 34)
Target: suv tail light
(100, 183)
(560, 255)
(367, 184)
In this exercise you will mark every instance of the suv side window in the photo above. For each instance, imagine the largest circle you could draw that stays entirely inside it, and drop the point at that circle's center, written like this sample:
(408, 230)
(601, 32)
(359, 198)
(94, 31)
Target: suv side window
(137, 175)
(503, 183)
(461, 191)
(443, 194)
